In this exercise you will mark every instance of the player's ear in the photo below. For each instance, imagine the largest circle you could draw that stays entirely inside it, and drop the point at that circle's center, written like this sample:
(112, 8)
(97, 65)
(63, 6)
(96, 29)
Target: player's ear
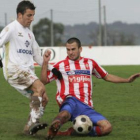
(19, 15)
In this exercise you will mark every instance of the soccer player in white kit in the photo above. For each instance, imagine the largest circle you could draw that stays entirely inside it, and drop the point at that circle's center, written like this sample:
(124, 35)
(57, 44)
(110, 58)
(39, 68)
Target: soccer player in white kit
(74, 90)
(20, 51)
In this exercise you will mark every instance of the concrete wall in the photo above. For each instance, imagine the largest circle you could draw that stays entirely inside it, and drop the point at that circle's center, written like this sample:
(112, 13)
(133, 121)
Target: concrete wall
(127, 55)
(119, 55)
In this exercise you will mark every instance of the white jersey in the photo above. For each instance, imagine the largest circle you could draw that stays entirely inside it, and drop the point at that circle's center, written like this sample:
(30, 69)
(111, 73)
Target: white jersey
(19, 47)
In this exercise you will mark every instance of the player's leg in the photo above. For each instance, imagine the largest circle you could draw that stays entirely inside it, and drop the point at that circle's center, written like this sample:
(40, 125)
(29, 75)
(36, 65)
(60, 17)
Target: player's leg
(101, 126)
(64, 116)
(38, 103)
(58, 121)
(25, 80)
(102, 129)
(105, 127)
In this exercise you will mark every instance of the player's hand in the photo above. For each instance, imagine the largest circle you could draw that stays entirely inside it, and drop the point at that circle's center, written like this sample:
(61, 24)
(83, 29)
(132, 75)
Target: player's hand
(47, 56)
(133, 77)
(57, 73)
(1, 65)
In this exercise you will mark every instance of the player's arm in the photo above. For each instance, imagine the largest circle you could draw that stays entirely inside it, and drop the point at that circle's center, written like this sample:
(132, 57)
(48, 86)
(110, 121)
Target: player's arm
(5, 36)
(39, 59)
(117, 79)
(44, 69)
(99, 72)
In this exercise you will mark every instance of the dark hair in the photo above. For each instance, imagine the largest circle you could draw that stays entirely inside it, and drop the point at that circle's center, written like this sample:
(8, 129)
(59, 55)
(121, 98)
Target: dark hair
(23, 5)
(74, 39)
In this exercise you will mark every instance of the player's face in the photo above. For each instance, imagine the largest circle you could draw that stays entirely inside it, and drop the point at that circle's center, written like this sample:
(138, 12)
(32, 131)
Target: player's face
(27, 18)
(73, 51)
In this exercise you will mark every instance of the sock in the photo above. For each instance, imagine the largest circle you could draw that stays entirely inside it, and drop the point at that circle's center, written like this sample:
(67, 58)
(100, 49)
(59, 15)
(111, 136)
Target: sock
(70, 131)
(96, 131)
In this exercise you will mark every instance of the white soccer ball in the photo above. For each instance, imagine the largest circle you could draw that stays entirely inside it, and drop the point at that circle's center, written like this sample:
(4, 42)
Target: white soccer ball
(82, 124)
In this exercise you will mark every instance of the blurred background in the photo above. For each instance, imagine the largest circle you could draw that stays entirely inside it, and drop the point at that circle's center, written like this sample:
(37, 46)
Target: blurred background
(94, 22)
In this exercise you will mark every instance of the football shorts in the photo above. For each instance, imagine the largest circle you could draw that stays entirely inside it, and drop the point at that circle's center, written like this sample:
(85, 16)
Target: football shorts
(76, 108)
(21, 79)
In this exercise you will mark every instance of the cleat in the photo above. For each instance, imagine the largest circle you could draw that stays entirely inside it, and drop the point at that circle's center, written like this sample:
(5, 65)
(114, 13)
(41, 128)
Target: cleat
(69, 132)
(52, 132)
(36, 127)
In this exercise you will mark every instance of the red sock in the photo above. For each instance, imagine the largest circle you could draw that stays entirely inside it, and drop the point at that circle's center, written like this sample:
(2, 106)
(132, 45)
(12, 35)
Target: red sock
(68, 132)
(96, 131)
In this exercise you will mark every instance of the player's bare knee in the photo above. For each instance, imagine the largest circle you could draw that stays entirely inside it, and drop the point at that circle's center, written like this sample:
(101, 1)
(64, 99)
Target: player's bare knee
(105, 126)
(40, 90)
(107, 129)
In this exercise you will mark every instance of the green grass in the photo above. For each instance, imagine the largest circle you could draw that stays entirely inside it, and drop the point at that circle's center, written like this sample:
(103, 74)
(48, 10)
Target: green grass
(119, 103)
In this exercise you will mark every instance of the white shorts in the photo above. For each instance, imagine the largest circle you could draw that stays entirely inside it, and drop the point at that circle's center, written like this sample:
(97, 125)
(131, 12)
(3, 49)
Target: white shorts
(21, 79)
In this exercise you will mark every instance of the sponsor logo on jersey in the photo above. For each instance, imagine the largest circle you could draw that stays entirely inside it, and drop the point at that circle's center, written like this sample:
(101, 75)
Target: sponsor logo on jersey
(20, 34)
(25, 51)
(27, 43)
(87, 66)
(78, 72)
(79, 79)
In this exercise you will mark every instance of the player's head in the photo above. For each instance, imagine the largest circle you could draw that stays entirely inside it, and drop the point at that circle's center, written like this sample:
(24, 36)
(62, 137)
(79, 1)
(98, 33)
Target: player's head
(25, 12)
(73, 46)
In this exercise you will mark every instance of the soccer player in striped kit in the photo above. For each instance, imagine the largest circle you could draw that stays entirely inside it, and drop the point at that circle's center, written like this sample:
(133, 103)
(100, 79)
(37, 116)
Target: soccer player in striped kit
(74, 91)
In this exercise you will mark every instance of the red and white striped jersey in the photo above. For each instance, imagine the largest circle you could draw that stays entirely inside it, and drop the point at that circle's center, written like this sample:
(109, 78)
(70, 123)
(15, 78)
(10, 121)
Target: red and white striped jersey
(77, 79)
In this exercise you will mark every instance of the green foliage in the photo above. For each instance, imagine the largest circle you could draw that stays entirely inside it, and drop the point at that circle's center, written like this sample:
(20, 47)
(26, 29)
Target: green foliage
(121, 39)
(42, 32)
(119, 103)
(114, 37)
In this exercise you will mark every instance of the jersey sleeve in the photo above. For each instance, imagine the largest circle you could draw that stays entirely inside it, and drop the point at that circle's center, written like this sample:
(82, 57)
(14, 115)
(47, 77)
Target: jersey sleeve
(98, 71)
(5, 35)
(50, 76)
(36, 52)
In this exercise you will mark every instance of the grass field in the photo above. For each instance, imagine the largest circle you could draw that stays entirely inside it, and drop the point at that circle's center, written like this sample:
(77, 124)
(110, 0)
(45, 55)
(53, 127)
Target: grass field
(120, 103)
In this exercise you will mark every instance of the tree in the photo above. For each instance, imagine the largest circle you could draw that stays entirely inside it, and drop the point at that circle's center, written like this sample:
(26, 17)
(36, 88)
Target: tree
(114, 38)
(42, 32)
(120, 38)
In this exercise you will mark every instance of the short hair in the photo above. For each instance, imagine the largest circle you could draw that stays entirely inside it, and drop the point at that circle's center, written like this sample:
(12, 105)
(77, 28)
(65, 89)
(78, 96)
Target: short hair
(23, 5)
(74, 39)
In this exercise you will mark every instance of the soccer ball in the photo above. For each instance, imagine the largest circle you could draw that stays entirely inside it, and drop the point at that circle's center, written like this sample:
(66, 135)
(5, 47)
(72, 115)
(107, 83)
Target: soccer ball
(82, 124)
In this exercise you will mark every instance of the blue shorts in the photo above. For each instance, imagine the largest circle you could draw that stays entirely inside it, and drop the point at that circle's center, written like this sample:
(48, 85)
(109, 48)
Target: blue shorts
(76, 108)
